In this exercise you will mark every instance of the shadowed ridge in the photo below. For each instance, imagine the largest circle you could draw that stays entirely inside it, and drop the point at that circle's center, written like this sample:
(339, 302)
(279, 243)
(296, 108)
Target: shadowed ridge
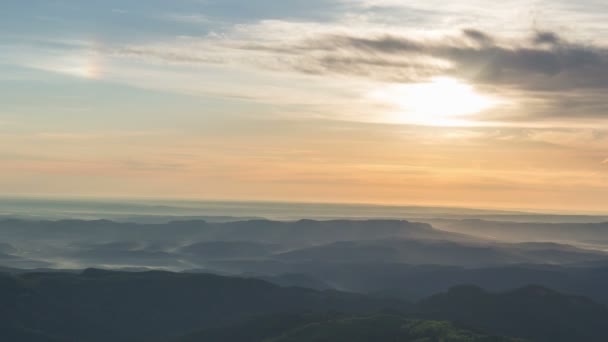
(98, 305)
(533, 312)
(340, 327)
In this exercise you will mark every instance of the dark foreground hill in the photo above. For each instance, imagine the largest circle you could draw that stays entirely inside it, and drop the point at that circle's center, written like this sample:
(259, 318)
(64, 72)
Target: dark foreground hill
(341, 328)
(116, 306)
(532, 312)
(98, 305)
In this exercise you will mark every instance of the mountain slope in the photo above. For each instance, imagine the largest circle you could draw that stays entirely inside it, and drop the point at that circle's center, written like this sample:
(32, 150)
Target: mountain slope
(337, 328)
(383, 328)
(96, 306)
(532, 312)
(118, 306)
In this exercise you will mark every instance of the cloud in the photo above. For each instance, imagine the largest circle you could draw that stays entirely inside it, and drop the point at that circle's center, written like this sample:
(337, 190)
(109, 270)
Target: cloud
(478, 36)
(543, 61)
(166, 54)
(245, 10)
(189, 18)
(475, 55)
(547, 38)
(552, 77)
(546, 75)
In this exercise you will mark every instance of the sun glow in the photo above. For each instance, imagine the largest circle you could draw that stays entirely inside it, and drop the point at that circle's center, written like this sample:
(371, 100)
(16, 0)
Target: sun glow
(443, 101)
(84, 65)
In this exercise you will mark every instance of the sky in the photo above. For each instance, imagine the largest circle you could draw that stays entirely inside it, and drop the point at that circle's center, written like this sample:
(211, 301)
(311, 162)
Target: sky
(454, 103)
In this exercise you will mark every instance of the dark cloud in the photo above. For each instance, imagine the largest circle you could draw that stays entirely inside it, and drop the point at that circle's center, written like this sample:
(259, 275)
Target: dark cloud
(478, 36)
(546, 38)
(384, 44)
(544, 63)
(375, 68)
(555, 76)
(559, 68)
(561, 77)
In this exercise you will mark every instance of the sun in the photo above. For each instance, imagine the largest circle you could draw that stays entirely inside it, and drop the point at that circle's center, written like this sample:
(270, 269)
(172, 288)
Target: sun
(443, 101)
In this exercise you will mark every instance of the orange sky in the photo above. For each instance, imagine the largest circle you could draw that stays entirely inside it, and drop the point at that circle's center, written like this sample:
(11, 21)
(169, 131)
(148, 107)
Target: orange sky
(396, 102)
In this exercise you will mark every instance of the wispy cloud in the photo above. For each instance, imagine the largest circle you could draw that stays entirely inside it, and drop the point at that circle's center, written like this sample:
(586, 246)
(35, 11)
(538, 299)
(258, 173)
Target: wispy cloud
(542, 62)
(189, 18)
(551, 77)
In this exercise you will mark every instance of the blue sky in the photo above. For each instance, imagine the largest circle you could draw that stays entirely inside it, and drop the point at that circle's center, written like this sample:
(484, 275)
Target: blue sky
(282, 100)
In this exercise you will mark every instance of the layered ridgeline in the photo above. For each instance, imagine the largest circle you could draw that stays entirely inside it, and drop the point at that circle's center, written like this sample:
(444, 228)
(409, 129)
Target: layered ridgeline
(586, 234)
(98, 305)
(390, 258)
(263, 246)
(162, 211)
